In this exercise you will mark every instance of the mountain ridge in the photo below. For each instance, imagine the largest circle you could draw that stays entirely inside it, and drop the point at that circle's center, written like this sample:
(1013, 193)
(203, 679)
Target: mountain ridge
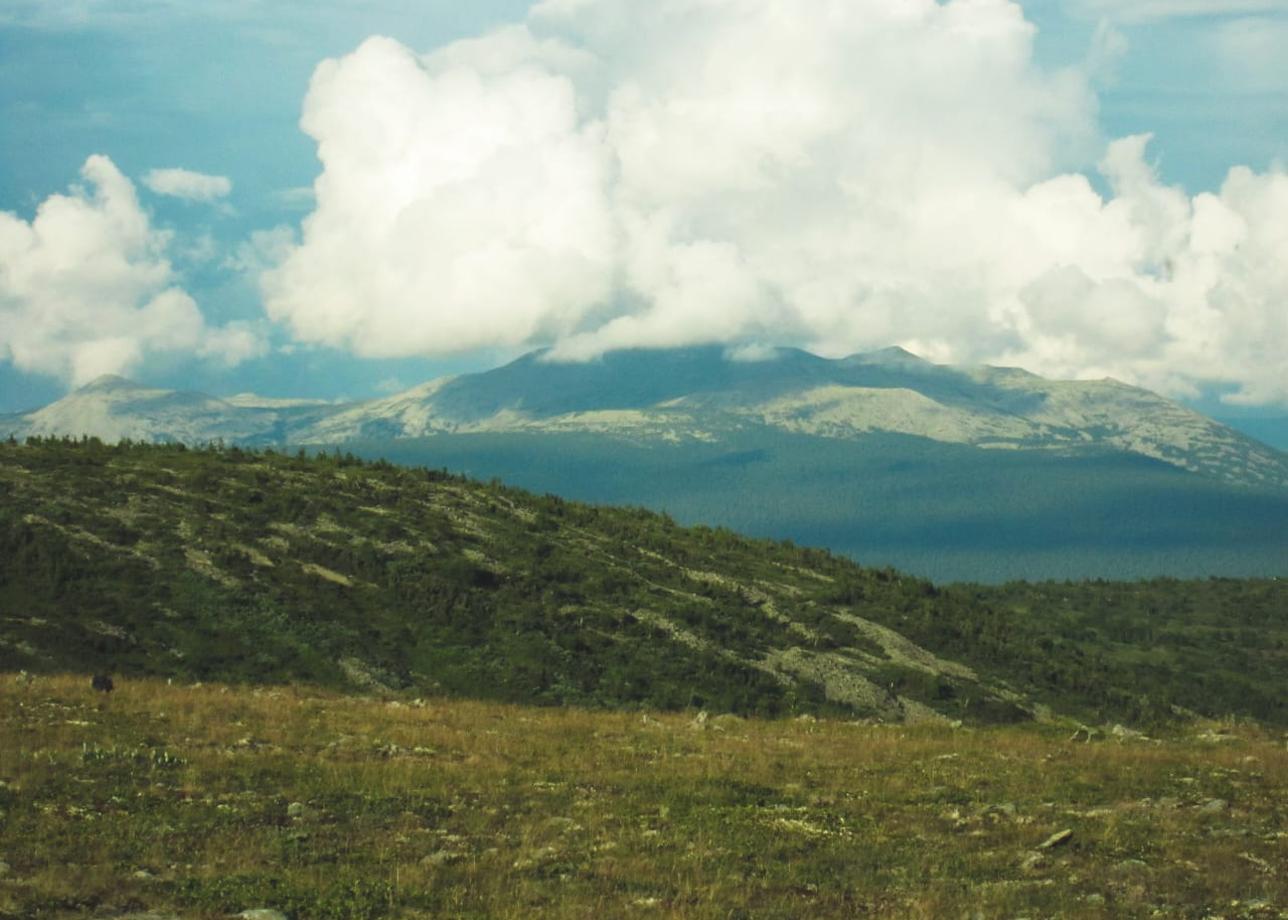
(699, 393)
(957, 474)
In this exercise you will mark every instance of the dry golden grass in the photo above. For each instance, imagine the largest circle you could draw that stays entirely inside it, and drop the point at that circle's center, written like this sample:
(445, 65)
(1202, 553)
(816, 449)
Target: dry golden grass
(205, 801)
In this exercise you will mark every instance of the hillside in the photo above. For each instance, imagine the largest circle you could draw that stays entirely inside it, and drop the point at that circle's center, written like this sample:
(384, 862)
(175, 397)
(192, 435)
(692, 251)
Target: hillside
(949, 512)
(262, 567)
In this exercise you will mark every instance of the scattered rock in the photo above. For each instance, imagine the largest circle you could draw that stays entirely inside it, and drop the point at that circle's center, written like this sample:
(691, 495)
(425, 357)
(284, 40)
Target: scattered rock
(441, 858)
(1258, 862)
(1086, 733)
(1215, 737)
(1214, 807)
(536, 858)
(1005, 810)
(262, 913)
(299, 811)
(1123, 733)
(1059, 838)
(1032, 862)
(699, 721)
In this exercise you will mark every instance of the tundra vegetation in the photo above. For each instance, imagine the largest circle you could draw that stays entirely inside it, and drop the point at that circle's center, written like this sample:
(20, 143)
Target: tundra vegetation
(266, 568)
(205, 801)
(349, 689)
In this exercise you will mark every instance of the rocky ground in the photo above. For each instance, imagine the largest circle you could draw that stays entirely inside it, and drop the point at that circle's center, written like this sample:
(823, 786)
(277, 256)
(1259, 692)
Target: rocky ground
(164, 801)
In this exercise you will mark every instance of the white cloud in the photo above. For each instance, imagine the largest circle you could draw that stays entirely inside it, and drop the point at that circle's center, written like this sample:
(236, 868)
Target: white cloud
(266, 249)
(1138, 11)
(461, 205)
(188, 185)
(300, 198)
(1252, 52)
(86, 288)
(882, 171)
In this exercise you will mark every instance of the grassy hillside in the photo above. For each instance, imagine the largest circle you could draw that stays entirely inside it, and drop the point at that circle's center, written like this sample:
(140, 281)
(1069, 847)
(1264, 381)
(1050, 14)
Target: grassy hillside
(942, 511)
(201, 802)
(260, 567)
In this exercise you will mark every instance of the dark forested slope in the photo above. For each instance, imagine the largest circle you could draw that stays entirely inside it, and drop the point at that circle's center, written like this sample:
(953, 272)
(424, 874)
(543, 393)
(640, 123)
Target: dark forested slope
(265, 567)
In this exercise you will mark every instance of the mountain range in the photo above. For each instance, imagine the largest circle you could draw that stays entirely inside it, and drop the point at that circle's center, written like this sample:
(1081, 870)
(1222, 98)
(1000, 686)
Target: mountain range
(954, 472)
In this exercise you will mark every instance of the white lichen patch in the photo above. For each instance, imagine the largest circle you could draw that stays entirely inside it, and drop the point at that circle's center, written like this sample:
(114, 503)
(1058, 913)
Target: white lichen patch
(840, 677)
(902, 651)
(326, 574)
(255, 556)
(201, 563)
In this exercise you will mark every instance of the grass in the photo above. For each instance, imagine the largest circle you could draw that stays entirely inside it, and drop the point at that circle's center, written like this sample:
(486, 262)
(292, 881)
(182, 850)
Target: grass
(209, 800)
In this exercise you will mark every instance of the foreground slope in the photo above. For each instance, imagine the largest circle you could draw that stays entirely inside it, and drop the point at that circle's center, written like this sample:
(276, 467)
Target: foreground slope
(235, 565)
(203, 802)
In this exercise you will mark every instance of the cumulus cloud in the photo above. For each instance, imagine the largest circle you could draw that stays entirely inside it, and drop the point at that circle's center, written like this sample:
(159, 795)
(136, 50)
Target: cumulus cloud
(189, 185)
(86, 288)
(611, 174)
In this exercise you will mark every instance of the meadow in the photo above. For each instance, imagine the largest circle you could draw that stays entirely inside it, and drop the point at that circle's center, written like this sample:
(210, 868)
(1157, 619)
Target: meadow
(201, 801)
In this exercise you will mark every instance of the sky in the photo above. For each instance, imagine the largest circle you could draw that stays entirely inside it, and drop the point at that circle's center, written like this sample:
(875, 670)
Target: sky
(341, 200)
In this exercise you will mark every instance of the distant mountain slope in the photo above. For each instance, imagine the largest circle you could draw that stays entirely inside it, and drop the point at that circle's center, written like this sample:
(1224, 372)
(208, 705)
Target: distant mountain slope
(702, 394)
(954, 473)
(264, 567)
(114, 409)
(950, 512)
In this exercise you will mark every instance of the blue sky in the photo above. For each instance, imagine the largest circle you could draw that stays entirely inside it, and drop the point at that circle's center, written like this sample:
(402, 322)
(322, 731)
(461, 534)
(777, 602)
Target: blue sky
(218, 89)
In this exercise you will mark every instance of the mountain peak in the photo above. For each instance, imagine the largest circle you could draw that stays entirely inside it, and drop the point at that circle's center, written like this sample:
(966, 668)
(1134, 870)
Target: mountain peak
(893, 355)
(108, 382)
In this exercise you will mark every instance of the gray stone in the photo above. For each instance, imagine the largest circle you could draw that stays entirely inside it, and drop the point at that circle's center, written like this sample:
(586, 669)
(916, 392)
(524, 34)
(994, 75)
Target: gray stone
(262, 913)
(297, 810)
(1059, 838)
(1032, 862)
(440, 858)
(1214, 807)
(1004, 810)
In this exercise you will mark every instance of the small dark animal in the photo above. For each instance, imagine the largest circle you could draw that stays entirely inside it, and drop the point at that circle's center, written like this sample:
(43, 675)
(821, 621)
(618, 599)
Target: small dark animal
(102, 683)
